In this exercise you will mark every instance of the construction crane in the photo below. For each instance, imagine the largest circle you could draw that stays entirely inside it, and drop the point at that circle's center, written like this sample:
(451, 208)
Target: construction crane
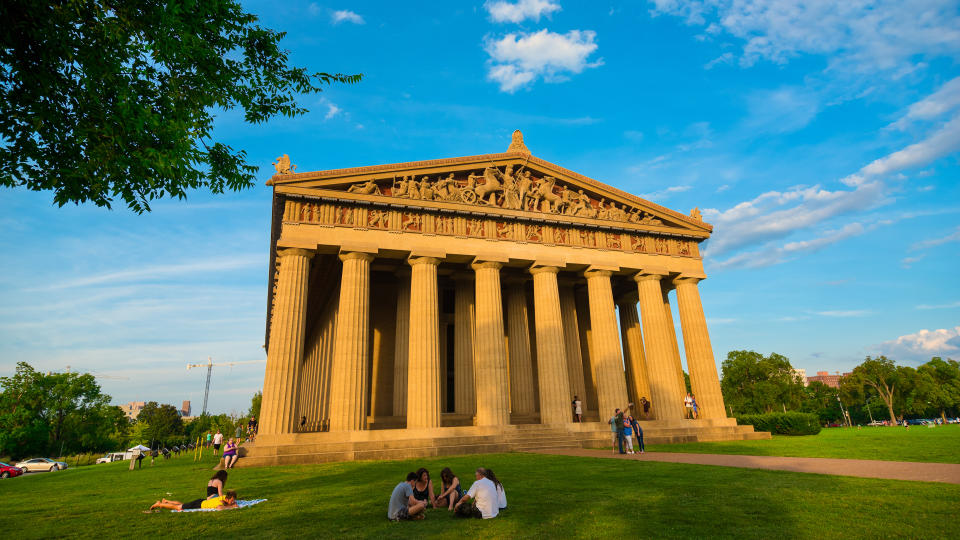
(209, 365)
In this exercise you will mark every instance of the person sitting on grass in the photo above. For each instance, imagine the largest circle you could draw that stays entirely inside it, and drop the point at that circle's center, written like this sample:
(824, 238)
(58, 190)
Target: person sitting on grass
(452, 490)
(481, 501)
(501, 495)
(216, 484)
(423, 488)
(216, 503)
(403, 505)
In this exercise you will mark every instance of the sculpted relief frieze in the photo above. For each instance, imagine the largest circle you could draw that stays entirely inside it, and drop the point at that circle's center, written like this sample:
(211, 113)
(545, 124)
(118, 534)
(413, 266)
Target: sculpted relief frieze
(339, 214)
(505, 188)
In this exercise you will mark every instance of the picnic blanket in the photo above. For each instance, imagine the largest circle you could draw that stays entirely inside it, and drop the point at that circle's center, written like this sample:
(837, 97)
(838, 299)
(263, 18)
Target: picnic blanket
(240, 505)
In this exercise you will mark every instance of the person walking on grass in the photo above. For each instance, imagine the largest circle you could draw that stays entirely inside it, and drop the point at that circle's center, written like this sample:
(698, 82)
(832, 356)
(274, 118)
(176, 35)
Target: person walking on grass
(214, 503)
(209, 439)
(577, 409)
(217, 441)
(637, 432)
(403, 505)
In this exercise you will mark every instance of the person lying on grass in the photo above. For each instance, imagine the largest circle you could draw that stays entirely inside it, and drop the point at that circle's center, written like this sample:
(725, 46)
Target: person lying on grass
(215, 503)
(403, 505)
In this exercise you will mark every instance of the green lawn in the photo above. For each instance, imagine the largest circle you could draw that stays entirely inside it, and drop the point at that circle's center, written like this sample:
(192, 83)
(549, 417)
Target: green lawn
(919, 443)
(550, 496)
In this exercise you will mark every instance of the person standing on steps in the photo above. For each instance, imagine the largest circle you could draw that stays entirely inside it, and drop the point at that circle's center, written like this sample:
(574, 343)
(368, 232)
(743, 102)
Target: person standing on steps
(577, 409)
(646, 407)
(688, 403)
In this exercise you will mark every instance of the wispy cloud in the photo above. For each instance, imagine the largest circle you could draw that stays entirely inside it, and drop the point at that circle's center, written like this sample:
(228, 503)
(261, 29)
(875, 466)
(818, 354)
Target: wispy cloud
(665, 193)
(939, 306)
(158, 271)
(345, 15)
(843, 313)
(332, 110)
(519, 59)
(936, 105)
(934, 242)
(941, 142)
(515, 12)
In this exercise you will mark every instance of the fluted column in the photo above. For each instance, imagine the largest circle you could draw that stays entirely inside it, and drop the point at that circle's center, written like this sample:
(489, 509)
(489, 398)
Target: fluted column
(284, 357)
(666, 394)
(634, 360)
(490, 362)
(665, 288)
(518, 349)
(326, 365)
(571, 339)
(696, 343)
(423, 379)
(464, 394)
(605, 355)
(551, 349)
(349, 384)
(401, 343)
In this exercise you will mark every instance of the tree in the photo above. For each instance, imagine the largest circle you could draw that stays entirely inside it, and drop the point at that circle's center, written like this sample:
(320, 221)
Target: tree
(255, 404)
(753, 383)
(938, 385)
(102, 100)
(163, 422)
(876, 376)
(821, 400)
(55, 412)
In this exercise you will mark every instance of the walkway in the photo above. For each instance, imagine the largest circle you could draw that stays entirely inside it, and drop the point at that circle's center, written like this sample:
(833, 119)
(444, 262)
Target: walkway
(891, 470)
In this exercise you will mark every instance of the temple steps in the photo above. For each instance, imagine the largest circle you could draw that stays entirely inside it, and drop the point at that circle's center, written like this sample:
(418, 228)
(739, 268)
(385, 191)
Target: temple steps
(302, 448)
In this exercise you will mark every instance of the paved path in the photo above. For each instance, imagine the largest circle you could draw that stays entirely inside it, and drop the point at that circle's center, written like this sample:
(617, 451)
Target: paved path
(891, 470)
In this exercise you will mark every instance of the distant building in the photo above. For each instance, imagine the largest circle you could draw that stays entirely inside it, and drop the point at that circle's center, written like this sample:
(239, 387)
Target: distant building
(801, 375)
(185, 408)
(826, 378)
(132, 409)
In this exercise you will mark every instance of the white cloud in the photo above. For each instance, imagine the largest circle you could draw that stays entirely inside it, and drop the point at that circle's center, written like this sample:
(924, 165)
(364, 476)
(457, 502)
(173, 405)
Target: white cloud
(939, 306)
(515, 12)
(858, 36)
(782, 110)
(937, 104)
(771, 254)
(332, 110)
(345, 15)
(665, 193)
(518, 59)
(907, 262)
(934, 242)
(943, 141)
(924, 344)
(843, 313)
(160, 271)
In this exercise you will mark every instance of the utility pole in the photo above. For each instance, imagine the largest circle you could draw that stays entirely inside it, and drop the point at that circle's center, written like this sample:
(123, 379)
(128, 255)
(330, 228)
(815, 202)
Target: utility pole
(209, 365)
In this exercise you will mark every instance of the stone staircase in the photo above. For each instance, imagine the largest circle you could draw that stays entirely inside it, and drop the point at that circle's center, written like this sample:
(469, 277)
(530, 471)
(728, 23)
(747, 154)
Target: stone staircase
(302, 448)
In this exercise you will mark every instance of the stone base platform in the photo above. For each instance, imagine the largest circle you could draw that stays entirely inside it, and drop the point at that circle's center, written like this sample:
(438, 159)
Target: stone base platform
(302, 448)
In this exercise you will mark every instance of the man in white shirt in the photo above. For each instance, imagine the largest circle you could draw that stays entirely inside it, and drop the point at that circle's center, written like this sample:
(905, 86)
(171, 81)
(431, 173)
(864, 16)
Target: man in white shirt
(688, 403)
(484, 492)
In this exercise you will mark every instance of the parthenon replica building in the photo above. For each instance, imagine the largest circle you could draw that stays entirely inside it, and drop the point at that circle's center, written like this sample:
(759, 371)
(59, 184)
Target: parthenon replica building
(458, 305)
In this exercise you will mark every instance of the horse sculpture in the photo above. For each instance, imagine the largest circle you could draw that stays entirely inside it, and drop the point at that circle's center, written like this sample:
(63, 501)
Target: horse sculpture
(545, 193)
(491, 185)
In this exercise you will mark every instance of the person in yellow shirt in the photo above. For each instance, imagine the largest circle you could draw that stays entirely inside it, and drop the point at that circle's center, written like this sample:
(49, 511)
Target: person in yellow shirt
(229, 500)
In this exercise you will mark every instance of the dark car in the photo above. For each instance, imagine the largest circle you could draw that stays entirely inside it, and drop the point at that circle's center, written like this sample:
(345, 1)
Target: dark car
(9, 471)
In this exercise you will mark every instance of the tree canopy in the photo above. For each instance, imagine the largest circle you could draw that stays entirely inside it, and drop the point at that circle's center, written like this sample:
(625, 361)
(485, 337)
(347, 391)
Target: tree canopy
(104, 100)
(753, 383)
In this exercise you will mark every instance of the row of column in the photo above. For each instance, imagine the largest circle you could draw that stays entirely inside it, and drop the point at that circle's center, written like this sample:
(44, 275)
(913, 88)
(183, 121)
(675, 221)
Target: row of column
(485, 383)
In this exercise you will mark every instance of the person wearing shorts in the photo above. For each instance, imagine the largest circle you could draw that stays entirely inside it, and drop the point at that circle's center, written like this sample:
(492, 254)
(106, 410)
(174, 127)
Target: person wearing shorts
(688, 403)
(217, 441)
(402, 504)
(214, 503)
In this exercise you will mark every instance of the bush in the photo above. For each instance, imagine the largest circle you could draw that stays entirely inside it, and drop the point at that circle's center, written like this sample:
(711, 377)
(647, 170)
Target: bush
(783, 423)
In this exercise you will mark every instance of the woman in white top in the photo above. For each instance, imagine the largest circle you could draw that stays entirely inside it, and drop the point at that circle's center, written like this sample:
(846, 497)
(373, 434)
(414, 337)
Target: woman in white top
(501, 495)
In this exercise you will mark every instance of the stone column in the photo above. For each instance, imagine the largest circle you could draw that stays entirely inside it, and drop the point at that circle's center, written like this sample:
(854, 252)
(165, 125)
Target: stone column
(605, 355)
(349, 374)
(464, 393)
(401, 343)
(666, 287)
(518, 349)
(634, 360)
(571, 338)
(285, 354)
(551, 352)
(666, 394)
(423, 379)
(696, 343)
(490, 362)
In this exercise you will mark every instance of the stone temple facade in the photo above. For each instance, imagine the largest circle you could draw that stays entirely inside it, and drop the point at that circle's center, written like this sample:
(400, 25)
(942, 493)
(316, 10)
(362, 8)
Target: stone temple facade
(457, 305)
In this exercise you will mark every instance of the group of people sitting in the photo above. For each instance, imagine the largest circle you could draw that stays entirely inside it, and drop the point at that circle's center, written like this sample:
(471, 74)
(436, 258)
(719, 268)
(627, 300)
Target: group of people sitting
(485, 498)
(216, 499)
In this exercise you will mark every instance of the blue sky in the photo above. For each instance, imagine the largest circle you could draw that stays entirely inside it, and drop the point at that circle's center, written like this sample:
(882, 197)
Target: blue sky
(821, 139)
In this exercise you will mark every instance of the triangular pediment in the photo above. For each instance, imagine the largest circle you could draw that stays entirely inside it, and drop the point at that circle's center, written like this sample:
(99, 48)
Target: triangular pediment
(510, 183)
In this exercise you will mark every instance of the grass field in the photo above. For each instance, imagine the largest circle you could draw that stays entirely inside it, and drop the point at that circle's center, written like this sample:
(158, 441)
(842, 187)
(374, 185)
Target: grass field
(550, 496)
(919, 443)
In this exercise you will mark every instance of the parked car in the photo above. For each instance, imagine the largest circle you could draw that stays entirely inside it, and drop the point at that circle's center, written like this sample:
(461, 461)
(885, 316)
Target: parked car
(9, 471)
(114, 456)
(876, 423)
(41, 464)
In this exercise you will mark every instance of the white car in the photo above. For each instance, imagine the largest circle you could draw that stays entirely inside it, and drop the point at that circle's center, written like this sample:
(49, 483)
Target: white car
(41, 464)
(114, 456)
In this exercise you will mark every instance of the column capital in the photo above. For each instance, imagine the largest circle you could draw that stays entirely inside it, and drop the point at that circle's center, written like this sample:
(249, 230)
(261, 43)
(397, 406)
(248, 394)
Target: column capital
(478, 264)
(643, 276)
(544, 270)
(597, 273)
(415, 260)
(352, 255)
(286, 252)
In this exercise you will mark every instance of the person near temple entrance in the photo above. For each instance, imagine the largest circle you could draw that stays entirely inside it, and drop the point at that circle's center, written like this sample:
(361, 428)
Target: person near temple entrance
(688, 403)
(577, 409)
